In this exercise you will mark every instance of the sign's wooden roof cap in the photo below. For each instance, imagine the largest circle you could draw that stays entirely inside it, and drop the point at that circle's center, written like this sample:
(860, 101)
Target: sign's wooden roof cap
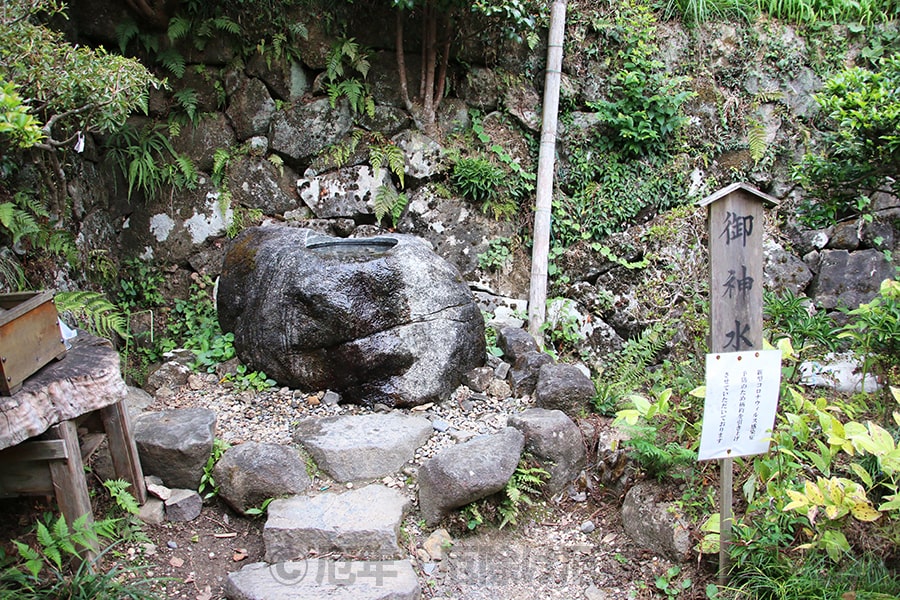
(765, 198)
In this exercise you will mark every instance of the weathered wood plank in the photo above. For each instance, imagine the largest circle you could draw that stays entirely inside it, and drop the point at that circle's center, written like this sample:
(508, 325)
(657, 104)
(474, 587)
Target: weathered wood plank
(34, 451)
(87, 379)
(123, 449)
(68, 480)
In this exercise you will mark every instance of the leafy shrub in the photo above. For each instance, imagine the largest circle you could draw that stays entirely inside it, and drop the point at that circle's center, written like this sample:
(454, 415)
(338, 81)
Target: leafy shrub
(644, 111)
(795, 317)
(478, 179)
(860, 150)
(874, 328)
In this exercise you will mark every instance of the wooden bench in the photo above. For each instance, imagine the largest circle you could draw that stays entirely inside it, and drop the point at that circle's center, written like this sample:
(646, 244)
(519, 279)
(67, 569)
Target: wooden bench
(40, 453)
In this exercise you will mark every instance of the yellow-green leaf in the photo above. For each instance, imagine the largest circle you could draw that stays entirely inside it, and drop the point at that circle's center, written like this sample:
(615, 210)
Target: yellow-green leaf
(698, 392)
(798, 501)
(883, 440)
(862, 474)
(864, 512)
(814, 493)
(833, 512)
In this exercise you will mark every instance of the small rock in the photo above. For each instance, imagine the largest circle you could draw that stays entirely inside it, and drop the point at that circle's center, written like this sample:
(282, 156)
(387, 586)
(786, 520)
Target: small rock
(172, 544)
(195, 382)
(153, 512)
(502, 370)
(331, 398)
(588, 526)
(436, 544)
(159, 490)
(440, 425)
(499, 389)
(183, 505)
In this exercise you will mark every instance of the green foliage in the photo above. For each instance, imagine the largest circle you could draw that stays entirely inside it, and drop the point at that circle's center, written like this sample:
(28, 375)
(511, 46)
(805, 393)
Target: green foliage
(18, 127)
(188, 100)
(811, 330)
(657, 456)
(497, 255)
(388, 202)
(258, 511)
(208, 487)
(242, 218)
(861, 147)
(700, 11)
(44, 571)
(244, 379)
(140, 284)
(388, 154)
(477, 178)
(74, 89)
(644, 111)
(489, 176)
(148, 161)
(504, 508)
(605, 192)
(93, 312)
(19, 218)
(118, 490)
(562, 328)
(670, 585)
(626, 369)
(874, 328)
(26, 222)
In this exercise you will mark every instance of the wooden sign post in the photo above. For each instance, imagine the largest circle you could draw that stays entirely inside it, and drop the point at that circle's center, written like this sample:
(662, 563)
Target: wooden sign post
(736, 227)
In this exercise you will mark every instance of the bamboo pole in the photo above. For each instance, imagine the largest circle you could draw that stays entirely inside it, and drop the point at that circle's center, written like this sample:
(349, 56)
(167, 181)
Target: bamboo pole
(537, 298)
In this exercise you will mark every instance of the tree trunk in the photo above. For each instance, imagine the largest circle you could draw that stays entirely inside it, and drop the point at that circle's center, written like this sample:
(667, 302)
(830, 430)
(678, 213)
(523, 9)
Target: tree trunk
(401, 64)
(537, 299)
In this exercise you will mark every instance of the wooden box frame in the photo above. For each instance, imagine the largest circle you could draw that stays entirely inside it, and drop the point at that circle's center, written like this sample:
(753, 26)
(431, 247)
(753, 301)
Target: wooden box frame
(29, 337)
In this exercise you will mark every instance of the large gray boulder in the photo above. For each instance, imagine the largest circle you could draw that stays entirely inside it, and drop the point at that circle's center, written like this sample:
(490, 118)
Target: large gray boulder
(354, 447)
(175, 444)
(555, 440)
(250, 473)
(376, 320)
(467, 472)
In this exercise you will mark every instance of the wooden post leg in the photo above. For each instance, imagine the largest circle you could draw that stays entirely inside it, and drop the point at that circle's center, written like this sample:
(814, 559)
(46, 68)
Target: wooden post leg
(68, 481)
(122, 448)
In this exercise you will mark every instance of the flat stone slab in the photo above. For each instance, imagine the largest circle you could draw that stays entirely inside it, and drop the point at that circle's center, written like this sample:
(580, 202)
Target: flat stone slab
(315, 579)
(364, 523)
(355, 447)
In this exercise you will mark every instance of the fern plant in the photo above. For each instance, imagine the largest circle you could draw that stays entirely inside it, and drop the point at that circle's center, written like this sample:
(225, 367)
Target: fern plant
(388, 202)
(44, 571)
(348, 55)
(93, 312)
(148, 161)
(627, 368)
(521, 490)
(383, 153)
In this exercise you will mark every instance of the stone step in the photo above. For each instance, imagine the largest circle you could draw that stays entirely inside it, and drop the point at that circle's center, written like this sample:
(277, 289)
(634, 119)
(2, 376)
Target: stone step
(356, 447)
(364, 523)
(314, 579)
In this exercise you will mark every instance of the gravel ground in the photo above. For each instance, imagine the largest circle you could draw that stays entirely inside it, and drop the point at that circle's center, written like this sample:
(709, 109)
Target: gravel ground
(569, 547)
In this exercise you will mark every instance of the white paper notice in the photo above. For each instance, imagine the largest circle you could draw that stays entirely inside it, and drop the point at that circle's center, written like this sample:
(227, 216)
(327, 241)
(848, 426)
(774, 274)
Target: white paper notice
(741, 400)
